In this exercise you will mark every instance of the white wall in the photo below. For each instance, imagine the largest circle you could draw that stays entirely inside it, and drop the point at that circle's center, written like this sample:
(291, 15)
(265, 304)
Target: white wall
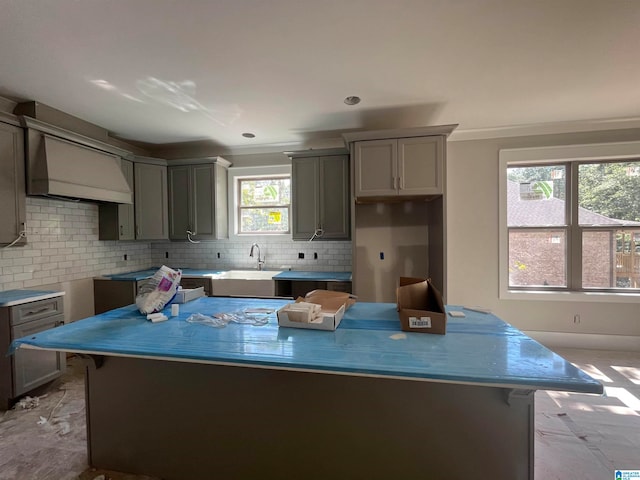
(472, 234)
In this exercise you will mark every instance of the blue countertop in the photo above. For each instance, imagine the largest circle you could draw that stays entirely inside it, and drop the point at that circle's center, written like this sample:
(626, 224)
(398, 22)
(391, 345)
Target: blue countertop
(314, 276)
(477, 349)
(192, 272)
(9, 298)
(142, 274)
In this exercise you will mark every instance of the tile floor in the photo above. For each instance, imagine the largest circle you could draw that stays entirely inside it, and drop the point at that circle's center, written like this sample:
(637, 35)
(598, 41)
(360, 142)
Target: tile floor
(581, 437)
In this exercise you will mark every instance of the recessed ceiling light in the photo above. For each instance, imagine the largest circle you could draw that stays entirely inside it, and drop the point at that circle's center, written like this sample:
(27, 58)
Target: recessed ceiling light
(249, 135)
(352, 100)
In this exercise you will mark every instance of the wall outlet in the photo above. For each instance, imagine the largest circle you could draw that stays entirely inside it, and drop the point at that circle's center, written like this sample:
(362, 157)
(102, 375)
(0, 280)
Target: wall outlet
(125, 256)
(218, 254)
(300, 255)
(166, 254)
(315, 255)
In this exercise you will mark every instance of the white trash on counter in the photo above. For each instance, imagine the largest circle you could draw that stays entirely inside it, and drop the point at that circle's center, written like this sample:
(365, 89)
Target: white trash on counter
(159, 290)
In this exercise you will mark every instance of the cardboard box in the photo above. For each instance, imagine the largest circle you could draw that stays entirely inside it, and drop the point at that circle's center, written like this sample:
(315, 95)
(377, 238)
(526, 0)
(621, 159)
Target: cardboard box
(332, 308)
(184, 295)
(420, 306)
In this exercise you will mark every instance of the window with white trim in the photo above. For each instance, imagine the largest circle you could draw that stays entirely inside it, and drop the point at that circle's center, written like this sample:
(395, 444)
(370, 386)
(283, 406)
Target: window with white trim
(570, 224)
(263, 204)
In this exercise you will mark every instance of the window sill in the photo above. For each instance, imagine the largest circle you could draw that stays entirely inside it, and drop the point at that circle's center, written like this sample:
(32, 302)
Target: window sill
(555, 296)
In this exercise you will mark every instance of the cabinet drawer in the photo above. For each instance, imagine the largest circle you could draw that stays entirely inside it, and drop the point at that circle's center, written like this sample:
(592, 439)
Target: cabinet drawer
(339, 286)
(36, 310)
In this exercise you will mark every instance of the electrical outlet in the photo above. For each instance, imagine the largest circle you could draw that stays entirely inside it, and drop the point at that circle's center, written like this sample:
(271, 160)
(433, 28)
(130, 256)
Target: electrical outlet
(166, 254)
(381, 255)
(125, 256)
(315, 255)
(300, 255)
(576, 318)
(218, 254)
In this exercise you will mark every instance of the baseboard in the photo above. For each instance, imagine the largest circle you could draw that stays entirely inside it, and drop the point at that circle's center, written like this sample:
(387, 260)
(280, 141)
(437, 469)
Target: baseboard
(587, 340)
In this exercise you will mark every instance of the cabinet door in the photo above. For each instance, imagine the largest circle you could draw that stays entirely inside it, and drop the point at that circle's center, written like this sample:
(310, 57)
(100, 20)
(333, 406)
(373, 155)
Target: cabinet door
(334, 197)
(203, 182)
(221, 202)
(36, 367)
(179, 202)
(12, 184)
(375, 168)
(151, 201)
(126, 212)
(304, 197)
(420, 161)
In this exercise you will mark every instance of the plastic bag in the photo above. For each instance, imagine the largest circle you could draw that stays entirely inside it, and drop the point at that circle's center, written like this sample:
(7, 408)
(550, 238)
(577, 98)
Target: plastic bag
(159, 290)
(248, 316)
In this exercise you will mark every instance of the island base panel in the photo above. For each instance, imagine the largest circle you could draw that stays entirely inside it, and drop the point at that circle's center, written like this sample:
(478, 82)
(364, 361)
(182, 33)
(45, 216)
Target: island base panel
(179, 421)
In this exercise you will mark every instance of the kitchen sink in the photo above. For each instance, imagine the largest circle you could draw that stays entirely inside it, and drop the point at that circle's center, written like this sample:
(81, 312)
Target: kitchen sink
(246, 275)
(244, 283)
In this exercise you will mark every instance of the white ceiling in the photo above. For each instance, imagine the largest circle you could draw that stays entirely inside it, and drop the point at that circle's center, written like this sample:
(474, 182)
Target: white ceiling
(164, 71)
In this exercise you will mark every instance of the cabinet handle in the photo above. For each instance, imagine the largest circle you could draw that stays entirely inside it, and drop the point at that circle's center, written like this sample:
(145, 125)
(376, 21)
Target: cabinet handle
(189, 233)
(121, 230)
(40, 310)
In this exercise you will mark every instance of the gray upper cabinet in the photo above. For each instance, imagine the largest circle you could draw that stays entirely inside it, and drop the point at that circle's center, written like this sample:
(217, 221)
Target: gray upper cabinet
(198, 201)
(151, 201)
(399, 167)
(117, 221)
(12, 184)
(320, 197)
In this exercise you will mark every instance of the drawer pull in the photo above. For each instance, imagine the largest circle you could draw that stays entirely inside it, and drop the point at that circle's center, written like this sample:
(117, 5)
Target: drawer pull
(35, 312)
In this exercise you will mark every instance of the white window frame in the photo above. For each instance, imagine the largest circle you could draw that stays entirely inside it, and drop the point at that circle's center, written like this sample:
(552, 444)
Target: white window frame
(249, 172)
(547, 155)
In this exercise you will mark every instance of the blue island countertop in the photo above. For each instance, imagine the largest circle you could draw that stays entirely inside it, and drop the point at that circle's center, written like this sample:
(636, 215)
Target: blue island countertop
(478, 349)
(9, 298)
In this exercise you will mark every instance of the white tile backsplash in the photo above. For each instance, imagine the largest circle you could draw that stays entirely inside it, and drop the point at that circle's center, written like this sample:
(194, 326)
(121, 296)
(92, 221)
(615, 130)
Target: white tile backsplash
(279, 254)
(62, 245)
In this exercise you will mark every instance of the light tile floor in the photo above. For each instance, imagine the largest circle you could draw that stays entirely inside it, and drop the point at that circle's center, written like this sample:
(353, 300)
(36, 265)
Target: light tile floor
(588, 437)
(578, 436)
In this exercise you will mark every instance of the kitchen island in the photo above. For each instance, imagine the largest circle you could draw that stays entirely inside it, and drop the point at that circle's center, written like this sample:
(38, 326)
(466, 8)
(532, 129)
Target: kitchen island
(180, 400)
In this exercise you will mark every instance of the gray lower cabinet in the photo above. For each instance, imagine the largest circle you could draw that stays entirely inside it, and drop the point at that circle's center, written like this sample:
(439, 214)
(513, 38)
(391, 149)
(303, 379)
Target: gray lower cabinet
(28, 369)
(195, 282)
(151, 202)
(198, 201)
(320, 197)
(117, 221)
(12, 184)
(299, 288)
(109, 294)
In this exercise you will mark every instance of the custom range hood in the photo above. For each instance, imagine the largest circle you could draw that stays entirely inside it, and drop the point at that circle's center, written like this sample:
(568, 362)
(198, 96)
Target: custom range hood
(64, 164)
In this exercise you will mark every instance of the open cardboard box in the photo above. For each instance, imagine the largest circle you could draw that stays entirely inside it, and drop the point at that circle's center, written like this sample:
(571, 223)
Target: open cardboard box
(420, 306)
(184, 295)
(332, 308)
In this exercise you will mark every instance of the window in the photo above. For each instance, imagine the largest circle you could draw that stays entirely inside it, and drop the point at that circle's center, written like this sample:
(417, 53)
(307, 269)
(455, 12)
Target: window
(263, 204)
(570, 224)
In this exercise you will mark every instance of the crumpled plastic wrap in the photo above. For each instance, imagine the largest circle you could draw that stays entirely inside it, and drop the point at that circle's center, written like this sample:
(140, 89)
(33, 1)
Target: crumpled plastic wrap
(159, 290)
(248, 316)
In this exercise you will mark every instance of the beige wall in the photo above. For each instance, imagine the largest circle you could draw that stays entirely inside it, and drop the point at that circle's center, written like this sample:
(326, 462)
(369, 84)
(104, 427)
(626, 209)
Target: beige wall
(472, 235)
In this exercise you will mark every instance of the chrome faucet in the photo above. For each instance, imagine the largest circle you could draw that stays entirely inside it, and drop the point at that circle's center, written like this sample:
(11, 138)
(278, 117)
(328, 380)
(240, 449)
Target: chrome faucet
(260, 260)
